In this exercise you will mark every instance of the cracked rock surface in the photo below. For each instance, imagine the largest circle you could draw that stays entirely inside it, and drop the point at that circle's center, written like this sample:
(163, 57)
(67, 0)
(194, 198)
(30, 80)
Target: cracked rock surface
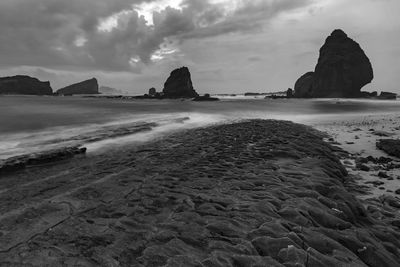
(255, 193)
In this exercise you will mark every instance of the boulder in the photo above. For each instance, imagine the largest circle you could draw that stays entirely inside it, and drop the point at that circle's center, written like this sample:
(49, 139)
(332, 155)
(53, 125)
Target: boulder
(88, 87)
(179, 85)
(390, 146)
(289, 93)
(303, 86)
(342, 70)
(24, 85)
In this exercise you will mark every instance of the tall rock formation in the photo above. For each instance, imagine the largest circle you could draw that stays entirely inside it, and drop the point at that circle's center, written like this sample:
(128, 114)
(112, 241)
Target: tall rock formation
(179, 85)
(342, 70)
(24, 85)
(83, 88)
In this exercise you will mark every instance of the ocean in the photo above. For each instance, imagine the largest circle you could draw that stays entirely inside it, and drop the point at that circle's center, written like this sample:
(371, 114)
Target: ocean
(30, 124)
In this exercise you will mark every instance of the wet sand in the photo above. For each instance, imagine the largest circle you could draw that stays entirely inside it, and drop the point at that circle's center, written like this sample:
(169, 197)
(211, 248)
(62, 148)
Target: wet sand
(358, 136)
(256, 193)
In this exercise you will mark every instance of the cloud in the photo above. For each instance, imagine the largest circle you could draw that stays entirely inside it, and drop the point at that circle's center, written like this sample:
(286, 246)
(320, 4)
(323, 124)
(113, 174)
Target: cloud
(113, 36)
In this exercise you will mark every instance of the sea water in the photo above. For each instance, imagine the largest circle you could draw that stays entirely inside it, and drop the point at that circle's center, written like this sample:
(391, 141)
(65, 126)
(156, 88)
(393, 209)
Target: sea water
(30, 124)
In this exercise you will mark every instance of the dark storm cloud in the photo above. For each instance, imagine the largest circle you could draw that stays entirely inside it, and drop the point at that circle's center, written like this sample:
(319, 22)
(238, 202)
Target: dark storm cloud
(65, 35)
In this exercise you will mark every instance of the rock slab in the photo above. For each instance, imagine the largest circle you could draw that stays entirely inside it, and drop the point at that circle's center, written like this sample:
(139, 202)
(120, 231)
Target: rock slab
(83, 88)
(245, 194)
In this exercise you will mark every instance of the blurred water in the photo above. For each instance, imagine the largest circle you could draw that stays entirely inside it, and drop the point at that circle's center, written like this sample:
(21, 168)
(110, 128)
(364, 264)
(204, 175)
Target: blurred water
(29, 124)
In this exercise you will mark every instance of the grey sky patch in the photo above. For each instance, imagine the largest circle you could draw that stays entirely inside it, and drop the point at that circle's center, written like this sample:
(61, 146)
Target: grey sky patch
(255, 43)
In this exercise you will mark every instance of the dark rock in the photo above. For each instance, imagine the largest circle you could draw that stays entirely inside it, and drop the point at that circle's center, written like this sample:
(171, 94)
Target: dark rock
(382, 133)
(364, 167)
(369, 94)
(20, 162)
(152, 91)
(397, 192)
(383, 175)
(371, 159)
(391, 201)
(24, 85)
(252, 94)
(396, 223)
(83, 88)
(390, 146)
(384, 160)
(179, 85)
(289, 93)
(205, 97)
(342, 70)
(387, 95)
(304, 86)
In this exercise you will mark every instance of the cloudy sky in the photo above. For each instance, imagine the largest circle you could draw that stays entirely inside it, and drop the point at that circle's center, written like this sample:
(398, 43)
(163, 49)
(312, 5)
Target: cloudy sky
(230, 46)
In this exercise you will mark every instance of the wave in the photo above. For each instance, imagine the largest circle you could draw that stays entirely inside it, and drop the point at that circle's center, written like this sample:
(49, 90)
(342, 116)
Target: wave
(96, 137)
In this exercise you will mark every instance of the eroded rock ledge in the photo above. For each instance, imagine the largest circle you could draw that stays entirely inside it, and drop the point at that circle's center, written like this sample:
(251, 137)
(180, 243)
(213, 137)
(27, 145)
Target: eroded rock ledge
(257, 193)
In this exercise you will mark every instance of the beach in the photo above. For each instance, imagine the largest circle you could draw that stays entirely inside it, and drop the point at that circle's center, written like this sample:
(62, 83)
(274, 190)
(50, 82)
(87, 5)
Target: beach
(251, 193)
(358, 136)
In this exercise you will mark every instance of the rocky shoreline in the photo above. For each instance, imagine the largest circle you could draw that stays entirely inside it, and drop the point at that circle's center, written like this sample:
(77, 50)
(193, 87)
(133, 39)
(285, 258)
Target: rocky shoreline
(255, 193)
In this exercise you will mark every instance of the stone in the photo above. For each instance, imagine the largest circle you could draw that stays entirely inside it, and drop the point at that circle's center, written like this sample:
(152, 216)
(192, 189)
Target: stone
(179, 85)
(342, 70)
(364, 167)
(83, 88)
(289, 93)
(24, 85)
(390, 146)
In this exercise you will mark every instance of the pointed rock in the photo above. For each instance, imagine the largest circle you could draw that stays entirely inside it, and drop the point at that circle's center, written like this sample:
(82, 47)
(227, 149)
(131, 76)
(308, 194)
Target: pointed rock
(179, 85)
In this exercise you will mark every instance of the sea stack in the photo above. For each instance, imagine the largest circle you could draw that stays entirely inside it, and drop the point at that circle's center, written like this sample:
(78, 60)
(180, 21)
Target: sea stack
(88, 87)
(179, 85)
(24, 85)
(342, 70)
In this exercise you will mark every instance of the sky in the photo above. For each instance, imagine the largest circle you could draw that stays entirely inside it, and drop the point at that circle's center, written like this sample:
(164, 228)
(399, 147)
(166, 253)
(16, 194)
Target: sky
(230, 46)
